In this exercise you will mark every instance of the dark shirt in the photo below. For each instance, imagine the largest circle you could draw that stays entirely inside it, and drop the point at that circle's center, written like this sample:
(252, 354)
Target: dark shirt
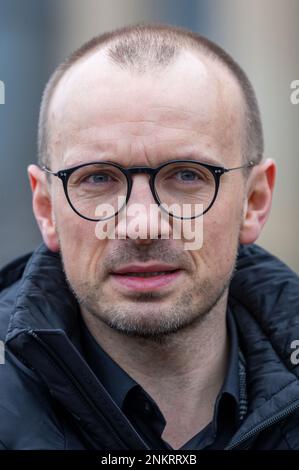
(144, 413)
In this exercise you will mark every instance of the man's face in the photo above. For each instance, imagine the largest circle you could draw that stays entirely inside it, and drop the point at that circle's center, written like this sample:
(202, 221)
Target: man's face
(191, 109)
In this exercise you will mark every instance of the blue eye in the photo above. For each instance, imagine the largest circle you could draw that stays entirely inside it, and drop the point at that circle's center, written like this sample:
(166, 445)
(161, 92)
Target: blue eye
(187, 175)
(98, 178)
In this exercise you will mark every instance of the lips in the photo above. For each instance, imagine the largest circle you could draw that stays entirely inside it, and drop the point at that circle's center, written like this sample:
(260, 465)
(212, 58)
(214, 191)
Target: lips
(145, 273)
(146, 269)
(145, 277)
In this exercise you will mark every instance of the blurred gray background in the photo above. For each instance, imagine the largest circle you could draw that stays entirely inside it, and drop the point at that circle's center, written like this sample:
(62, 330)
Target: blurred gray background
(35, 35)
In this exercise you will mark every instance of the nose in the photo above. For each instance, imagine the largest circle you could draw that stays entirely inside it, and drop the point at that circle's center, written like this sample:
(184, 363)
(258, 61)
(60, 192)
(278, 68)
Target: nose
(141, 191)
(142, 219)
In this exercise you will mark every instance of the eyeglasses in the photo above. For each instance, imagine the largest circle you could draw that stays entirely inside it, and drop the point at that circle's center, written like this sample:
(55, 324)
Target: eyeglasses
(175, 186)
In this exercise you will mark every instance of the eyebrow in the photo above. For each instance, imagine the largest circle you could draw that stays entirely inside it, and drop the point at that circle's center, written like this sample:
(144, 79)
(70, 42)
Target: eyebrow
(200, 159)
(204, 160)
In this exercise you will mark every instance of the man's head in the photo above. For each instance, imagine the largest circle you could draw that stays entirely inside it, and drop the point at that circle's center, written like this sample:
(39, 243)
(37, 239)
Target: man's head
(143, 96)
(148, 48)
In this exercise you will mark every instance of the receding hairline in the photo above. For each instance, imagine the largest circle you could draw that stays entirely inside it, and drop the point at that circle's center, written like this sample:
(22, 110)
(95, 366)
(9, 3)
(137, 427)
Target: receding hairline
(165, 43)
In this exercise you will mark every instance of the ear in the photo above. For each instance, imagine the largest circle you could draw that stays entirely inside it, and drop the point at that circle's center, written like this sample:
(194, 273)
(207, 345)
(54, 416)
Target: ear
(257, 204)
(42, 206)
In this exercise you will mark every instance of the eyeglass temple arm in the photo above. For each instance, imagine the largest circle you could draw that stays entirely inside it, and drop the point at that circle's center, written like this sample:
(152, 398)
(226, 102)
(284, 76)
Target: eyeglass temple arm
(248, 165)
(47, 170)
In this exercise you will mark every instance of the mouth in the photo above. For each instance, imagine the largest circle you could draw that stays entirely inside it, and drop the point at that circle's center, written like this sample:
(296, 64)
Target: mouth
(145, 278)
(147, 274)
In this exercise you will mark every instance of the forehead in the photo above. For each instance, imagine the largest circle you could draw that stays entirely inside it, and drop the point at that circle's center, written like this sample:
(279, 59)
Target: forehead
(97, 102)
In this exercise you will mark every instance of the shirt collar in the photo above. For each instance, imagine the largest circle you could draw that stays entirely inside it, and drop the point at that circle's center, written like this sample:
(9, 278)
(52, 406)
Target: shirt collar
(228, 399)
(118, 383)
(231, 382)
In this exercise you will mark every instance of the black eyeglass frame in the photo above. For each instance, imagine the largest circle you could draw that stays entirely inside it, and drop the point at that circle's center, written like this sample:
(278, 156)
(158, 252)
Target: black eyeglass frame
(217, 172)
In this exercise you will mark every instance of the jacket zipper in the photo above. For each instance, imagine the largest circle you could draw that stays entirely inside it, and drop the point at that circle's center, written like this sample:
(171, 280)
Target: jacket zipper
(79, 389)
(282, 414)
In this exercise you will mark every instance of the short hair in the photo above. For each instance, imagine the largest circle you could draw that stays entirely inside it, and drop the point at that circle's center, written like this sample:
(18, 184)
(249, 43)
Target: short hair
(143, 47)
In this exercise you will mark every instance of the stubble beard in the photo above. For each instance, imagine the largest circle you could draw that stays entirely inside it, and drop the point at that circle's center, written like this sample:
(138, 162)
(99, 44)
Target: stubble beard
(146, 318)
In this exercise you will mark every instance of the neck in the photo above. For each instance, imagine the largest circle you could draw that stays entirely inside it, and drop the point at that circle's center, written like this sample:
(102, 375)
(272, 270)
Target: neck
(183, 372)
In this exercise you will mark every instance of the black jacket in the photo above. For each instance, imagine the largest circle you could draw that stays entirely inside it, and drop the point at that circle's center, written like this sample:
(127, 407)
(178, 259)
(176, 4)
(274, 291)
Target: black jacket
(50, 398)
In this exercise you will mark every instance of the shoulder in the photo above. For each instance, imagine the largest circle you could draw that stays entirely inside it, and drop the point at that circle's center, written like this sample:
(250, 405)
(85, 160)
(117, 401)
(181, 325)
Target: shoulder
(27, 411)
(253, 255)
(27, 416)
(257, 270)
(10, 276)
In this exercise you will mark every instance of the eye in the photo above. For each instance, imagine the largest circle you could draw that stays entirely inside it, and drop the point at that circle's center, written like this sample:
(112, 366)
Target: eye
(97, 178)
(187, 175)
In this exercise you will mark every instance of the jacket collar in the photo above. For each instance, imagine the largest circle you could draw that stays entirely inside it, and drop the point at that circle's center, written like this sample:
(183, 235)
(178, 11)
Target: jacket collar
(43, 333)
(264, 297)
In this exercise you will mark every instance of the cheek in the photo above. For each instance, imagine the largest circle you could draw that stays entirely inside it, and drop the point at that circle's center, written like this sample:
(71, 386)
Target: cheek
(81, 250)
(221, 228)
(220, 244)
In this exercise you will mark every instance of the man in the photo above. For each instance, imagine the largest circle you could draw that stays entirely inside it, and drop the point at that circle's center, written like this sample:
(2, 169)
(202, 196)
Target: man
(135, 342)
